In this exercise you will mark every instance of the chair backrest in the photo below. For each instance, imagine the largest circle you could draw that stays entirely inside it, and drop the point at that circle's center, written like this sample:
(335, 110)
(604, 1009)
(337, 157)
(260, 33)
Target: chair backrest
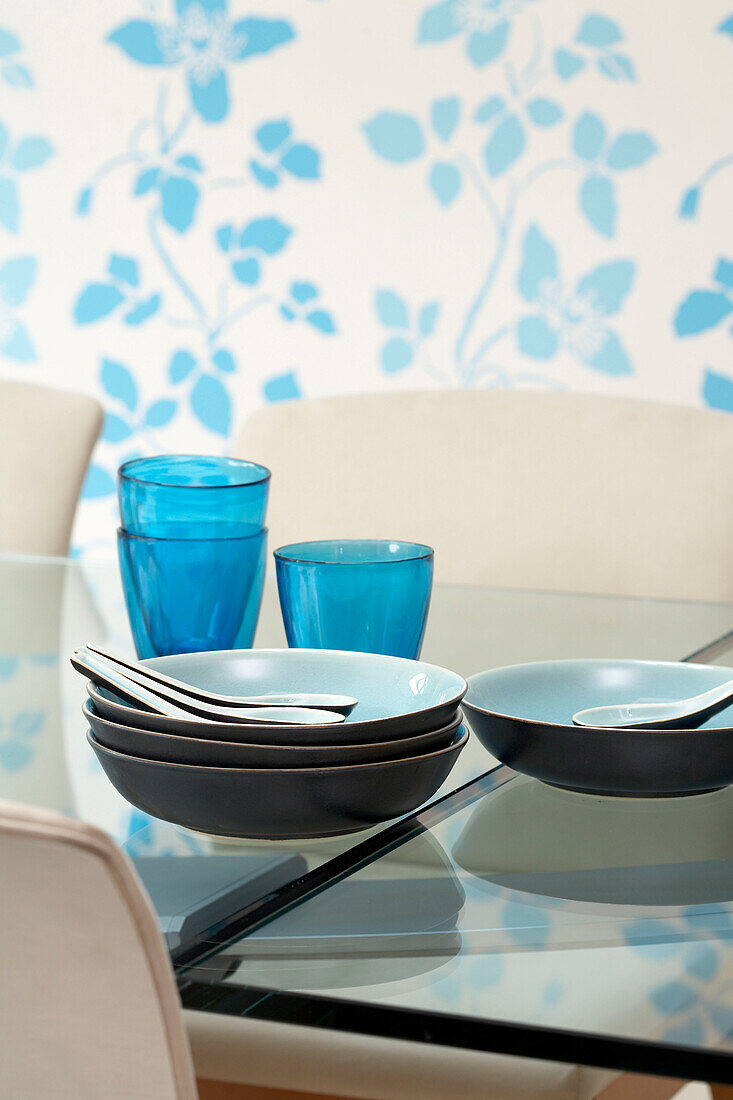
(557, 491)
(88, 1004)
(46, 438)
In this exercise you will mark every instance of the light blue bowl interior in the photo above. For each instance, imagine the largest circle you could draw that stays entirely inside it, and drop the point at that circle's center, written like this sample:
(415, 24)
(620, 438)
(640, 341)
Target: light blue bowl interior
(385, 686)
(552, 691)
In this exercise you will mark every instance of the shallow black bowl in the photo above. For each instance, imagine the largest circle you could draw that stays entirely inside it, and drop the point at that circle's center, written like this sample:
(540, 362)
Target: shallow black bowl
(523, 715)
(282, 803)
(154, 745)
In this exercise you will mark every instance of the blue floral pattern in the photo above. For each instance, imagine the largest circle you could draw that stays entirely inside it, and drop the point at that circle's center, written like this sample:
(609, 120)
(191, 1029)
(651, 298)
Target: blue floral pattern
(203, 41)
(571, 318)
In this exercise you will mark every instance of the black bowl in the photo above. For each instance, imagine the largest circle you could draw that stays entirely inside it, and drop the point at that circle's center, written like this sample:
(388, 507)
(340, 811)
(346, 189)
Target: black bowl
(523, 715)
(153, 745)
(282, 803)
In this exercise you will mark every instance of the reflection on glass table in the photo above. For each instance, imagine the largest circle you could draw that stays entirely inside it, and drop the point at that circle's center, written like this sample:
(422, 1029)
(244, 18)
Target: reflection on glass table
(508, 917)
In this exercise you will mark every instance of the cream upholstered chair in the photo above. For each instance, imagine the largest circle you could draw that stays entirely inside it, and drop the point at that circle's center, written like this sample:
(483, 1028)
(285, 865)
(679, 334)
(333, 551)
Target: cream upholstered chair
(516, 489)
(88, 1003)
(46, 438)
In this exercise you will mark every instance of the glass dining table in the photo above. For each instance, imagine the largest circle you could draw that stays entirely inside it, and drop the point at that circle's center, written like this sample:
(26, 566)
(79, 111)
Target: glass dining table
(504, 916)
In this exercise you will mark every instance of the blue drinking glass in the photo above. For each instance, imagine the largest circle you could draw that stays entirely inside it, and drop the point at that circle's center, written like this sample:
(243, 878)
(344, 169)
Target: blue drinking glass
(176, 494)
(186, 595)
(370, 595)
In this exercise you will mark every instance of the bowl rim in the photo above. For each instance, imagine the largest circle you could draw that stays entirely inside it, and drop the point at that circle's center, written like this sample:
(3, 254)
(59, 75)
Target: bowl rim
(123, 475)
(596, 731)
(418, 551)
(456, 745)
(88, 707)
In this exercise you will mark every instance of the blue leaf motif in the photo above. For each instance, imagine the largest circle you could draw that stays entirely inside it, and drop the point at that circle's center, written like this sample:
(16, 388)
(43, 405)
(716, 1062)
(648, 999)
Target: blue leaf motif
(485, 47)
(391, 309)
(31, 152)
(536, 338)
(505, 145)
(322, 320)
(567, 64)
(616, 66)
(690, 202)
(15, 343)
(179, 196)
(611, 358)
(544, 112)
(630, 150)
(160, 413)
(210, 404)
(271, 135)
(124, 268)
(726, 27)
(146, 180)
(438, 23)
(700, 311)
(539, 263)
(263, 174)
(190, 161)
(209, 94)
(247, 271)
(598, 203)
(282, 387)
(259, 36)
(598, 31)
(180, 366)
(396, 355)
(589, 133)
(117, 381)
(16, 75)
(97, 483)
(672, 998)
(224, 360)
(16, 278)
(224, 237)
(444, 116)
(97, 300)
(488, 109)
(9, 205)
(14, 755)
(84, 201)
(115, 428)
(139, 40)
(9, 42)
(428, 318)
(608, 285)
(302, 161)
(269, 235)
(143, 310)
(723, 273)
(445, 182)
(395, 137)
(303, 292)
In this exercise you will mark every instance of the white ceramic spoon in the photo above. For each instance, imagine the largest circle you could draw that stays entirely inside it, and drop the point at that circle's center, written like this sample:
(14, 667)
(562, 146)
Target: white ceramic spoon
(342, 703)
(658, 715)
(175, 704)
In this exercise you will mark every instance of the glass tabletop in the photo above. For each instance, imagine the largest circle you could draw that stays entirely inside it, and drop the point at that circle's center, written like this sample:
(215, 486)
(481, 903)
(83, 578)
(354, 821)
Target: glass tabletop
(508, 915)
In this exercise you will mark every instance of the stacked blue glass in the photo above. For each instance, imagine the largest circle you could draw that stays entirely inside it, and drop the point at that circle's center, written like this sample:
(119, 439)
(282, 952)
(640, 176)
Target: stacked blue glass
(192, 550)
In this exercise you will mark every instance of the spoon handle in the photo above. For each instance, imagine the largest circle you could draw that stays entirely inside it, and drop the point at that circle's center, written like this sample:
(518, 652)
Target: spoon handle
(658, 715)
(343, 703)
(96, 666)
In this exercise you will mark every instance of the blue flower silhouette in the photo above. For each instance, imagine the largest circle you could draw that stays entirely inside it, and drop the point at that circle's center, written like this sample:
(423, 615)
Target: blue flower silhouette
(574, 320)
(485, 23)
(16, 278)
(204, 41)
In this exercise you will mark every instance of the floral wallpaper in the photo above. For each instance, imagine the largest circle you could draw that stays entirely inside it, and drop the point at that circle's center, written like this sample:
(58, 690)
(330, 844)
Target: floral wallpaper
(206, 205)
